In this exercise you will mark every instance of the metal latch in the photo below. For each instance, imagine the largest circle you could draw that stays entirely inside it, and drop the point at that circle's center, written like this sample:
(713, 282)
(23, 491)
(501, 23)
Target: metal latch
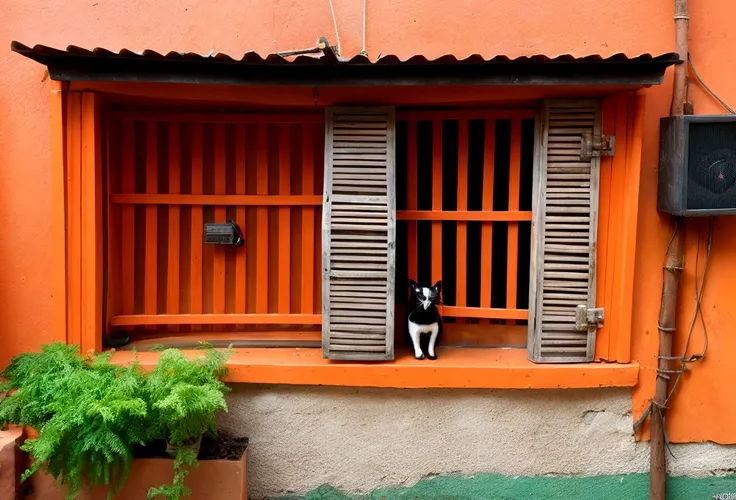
(586, 318)
(596, 146)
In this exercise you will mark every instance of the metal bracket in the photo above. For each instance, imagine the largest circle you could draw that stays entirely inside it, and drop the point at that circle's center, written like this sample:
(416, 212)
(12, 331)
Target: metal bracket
(596, 146)
(586, 318)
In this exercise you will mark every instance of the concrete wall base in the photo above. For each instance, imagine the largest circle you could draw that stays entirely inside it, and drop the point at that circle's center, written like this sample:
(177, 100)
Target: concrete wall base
(362, 440)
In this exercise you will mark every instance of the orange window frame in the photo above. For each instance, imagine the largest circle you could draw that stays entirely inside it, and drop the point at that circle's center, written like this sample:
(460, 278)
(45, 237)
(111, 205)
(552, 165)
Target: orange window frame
(77, 147)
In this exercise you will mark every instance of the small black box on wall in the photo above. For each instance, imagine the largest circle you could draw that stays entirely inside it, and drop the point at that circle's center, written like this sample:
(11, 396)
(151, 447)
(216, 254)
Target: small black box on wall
(223, 233)
(697, 165)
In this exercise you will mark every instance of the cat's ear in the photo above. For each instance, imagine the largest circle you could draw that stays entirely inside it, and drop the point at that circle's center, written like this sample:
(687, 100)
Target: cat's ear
(437, 287)
(414, 285)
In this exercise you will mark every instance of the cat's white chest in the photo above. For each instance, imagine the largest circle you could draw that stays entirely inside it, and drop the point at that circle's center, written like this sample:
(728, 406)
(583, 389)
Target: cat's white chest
(416, 329)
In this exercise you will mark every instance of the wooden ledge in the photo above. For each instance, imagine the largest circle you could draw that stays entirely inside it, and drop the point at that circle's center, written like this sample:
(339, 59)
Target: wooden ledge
(457, 368)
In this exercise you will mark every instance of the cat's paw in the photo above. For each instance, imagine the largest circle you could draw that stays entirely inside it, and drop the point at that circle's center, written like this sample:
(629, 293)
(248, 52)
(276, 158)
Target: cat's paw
(421, 356)
(432, 357)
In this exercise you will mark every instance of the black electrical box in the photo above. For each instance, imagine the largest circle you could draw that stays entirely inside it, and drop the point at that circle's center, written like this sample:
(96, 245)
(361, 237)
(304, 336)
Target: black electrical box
(697, 165)
(223, 233)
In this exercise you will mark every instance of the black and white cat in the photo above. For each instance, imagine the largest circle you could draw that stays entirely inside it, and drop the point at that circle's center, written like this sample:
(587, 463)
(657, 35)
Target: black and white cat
(425, 321)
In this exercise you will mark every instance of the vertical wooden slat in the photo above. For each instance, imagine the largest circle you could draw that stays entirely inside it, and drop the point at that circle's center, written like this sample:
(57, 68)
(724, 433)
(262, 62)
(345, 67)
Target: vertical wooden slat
(513, 227)
(240, 259)
(307, 288)
(603, 274)
(174, 246)
(284, 274)
(624, 304)
(462, 227)
(536, 257)
(196, 232)
(489, 151)
(74, 192)
(411, 197)
(391, 233)
(112, 217)
(91, 200)
(58, 176)
(436, 199)
(218, 278)
(595, 180)
(151, 265)
(128, 219)
(327, 232)
(616, 220)
(262, 221)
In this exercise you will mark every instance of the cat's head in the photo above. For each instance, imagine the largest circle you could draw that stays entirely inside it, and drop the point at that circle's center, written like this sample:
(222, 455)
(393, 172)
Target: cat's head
(426, 296)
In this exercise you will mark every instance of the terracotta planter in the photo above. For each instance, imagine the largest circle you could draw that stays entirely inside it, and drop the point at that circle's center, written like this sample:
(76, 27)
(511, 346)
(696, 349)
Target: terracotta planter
(216, 479)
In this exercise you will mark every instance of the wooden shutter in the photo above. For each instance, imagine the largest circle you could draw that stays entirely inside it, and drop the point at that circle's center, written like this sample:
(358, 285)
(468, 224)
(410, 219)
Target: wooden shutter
(359, 234)
(563, 253)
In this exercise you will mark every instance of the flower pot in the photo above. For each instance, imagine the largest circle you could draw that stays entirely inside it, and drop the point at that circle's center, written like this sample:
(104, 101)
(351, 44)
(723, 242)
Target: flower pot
(221, 475)
(11, 462)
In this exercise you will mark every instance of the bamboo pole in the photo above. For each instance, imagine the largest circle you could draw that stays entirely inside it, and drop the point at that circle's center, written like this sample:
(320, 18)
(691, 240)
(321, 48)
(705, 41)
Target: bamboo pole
(671, 271)
(670, 284)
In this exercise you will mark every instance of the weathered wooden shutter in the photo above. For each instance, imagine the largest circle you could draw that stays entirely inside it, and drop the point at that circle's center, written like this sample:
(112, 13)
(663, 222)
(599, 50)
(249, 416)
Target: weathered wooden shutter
(359, 234)
(562, 315)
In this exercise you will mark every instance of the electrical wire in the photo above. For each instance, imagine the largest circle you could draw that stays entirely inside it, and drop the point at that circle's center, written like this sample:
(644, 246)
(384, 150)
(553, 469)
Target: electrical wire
(699, 288)
(685, 360)
(707, 89)
(364, 52)
(334, 23)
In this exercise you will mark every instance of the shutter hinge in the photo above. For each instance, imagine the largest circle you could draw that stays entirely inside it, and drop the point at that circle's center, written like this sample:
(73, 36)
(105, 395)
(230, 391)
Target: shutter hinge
(596, 146)
(587, 317)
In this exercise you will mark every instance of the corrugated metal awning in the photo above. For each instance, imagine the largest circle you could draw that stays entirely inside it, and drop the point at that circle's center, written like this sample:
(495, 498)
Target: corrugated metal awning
(321, 66)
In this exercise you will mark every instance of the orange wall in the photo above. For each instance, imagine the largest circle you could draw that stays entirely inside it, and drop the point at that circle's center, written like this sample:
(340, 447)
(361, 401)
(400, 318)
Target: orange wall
(403, 27)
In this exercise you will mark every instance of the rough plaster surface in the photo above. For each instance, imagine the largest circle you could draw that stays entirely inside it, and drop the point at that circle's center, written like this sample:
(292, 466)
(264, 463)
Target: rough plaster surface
(358, 440)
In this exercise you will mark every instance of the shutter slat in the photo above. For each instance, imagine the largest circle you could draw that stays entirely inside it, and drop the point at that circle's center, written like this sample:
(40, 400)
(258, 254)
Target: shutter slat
(359, 234)
(564, 233)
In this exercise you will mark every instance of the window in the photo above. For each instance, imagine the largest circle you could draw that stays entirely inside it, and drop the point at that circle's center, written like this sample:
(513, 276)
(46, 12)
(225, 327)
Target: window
(170, 173)
(463, 185)
(452, 170)
(464, 189)
(156, 175)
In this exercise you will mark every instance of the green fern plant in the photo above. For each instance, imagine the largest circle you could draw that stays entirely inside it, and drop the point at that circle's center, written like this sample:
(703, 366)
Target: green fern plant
(185, 395)
(89, 415)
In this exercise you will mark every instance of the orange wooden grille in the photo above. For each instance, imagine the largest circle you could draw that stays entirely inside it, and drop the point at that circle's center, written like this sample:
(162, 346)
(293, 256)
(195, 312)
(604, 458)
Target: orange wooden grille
(464, 199)
(465, 209)
(171, 174)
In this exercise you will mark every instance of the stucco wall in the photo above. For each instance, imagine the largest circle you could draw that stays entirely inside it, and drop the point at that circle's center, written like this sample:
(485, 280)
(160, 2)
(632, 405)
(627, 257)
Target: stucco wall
(357, 440)
(404, 27)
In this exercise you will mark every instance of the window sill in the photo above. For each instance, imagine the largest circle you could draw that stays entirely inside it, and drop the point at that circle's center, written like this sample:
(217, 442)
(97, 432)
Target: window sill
(456, 368)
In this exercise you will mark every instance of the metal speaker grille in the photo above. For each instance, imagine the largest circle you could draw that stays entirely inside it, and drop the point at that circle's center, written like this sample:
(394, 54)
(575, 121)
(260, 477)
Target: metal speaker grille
(711, 180)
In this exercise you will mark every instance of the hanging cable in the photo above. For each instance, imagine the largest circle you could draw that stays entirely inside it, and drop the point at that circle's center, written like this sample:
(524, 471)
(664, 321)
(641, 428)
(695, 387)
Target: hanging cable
(699, 289)
(334, 23)
(707, 89)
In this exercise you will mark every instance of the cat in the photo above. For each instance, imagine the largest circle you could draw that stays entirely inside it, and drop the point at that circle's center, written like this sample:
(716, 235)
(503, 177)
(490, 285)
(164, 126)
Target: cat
(424, 319)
